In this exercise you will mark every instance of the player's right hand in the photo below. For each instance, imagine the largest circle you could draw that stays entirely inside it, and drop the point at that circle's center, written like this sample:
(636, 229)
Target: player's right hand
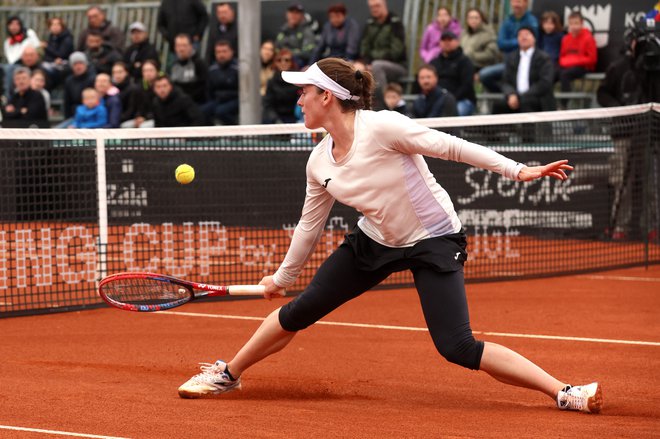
(272, 290)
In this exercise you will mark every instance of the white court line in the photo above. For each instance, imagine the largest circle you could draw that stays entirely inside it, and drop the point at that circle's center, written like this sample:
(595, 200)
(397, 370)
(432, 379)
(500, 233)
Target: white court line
(61, 433)
(420, 329)
(626, 278)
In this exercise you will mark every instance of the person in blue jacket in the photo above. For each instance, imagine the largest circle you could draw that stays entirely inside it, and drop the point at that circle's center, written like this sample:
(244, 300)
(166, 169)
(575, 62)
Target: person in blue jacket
(92, 112)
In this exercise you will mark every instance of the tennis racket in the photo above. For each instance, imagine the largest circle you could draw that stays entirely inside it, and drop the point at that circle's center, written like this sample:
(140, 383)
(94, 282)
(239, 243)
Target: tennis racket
(156, 292)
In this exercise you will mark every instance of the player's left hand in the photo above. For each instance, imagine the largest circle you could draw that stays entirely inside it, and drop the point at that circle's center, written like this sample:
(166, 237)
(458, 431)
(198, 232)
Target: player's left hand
(555, 169)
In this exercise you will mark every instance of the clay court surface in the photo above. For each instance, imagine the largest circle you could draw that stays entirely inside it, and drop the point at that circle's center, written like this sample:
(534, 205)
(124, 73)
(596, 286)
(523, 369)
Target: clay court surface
(368, 371)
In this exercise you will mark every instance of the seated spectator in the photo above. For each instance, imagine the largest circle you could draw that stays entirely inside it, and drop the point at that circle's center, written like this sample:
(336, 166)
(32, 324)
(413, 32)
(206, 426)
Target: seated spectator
(109, 95)
(507, 41)
(189, 72)
(394, 98)
(177, 17)
(456, 73)
(57, 50)
(267, 56)
(578, 53)
(38, 83)
(434, 101)
(83, 76)
(144, 112)
(550, 36)
(281, 97)
(91, 113)
(97, 22)
(429, 47)
(26, 108)
(128, 92)
(297, 35)
(340, 37)
(224, 29)
(223, 86)
(479, 41)
(528, 78)
(100, 54)
(383, 47)
(174, 108)
(32, 60)
(139, 51)
(18, 38)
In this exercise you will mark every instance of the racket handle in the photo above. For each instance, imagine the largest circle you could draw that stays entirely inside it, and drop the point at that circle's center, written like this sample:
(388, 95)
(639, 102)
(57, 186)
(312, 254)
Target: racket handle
(246, 290)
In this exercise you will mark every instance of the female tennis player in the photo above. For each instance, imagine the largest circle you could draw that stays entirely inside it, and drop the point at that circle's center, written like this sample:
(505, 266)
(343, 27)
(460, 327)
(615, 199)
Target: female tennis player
(373, 162)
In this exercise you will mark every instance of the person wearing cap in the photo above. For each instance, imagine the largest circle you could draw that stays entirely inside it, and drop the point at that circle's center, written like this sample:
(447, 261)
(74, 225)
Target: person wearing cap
(224, 29)
(429, 47)
(528, 78)
(297, 35)
(434, 101)
(82, 77)
(456, 73)
(340, 37)
(139, 51)
(374, 162)
(97, 22)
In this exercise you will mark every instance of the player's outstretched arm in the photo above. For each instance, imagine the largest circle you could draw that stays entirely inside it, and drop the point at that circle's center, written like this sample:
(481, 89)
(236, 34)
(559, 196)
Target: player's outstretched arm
(555, 169)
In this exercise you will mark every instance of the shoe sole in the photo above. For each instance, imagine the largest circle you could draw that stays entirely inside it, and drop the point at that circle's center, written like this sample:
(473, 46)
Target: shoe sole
(595, 403)
(186, 394)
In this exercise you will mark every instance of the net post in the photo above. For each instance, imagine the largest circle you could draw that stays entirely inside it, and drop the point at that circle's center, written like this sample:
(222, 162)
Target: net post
(102, 208)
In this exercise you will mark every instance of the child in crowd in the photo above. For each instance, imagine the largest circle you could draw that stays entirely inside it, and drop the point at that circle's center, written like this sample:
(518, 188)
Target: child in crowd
(38, 83)
(92, 113)
(394, 98)
(550, 36)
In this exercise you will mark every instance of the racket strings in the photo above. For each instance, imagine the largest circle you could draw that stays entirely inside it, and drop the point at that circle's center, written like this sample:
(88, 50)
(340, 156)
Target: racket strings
(144, 291)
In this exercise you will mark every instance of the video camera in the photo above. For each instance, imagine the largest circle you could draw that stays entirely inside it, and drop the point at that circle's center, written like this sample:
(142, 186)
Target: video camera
(646, 34)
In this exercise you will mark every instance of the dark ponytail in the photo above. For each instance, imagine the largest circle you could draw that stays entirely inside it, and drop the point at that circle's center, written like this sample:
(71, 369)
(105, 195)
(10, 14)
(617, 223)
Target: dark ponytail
(358, 82)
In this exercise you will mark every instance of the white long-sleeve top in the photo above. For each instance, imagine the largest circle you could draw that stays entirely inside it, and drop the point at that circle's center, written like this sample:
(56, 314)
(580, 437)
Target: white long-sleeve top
(13, 52)
(384, 176)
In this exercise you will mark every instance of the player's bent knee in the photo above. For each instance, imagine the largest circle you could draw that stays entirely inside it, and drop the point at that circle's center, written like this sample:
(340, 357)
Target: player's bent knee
(288, 320)
(466, 353)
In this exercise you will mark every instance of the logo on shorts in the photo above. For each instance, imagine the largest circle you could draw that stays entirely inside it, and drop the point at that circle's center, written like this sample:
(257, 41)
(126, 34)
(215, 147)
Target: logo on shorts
(327, 180)
(457, 255)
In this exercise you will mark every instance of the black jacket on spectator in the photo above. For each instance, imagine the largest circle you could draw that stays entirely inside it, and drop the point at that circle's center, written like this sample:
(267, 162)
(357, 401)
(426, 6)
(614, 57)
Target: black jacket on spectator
(29, 109)
(113, 105)
(343, 42)
(178, 110)
(456, 74)
(145, 101)
(111, 35)
(59, 46)
(280, 100)
(182, 17)
(223, 81)
(73, 88)
(438, 103)
(128, 95)
(540, 96)
(104, 58)
(136, 54)
(219, 32)
(191, 76)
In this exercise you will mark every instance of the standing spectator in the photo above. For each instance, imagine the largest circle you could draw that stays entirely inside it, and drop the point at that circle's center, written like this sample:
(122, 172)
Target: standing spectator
(578, 53)
(528, 78)
(297, 35)
(144, 115)
(172, 107)
(110, 98)
(223, 86)
(57, 50)
(550, 36)
(429, 47)
(281, 97)
(383, 45)
(82, 77)
(267, 56)
(139, 51)
(455, 73)
(100, 53)
(18, 38)
(340, 37)
(38, 83)
(189, 72)
(91, 113)
(224, 29)
(434, 101)
(26, 107)
(479, 41)
(97, 22)
(128, 92)
(177, 16)
(507, 41)
(393, 97)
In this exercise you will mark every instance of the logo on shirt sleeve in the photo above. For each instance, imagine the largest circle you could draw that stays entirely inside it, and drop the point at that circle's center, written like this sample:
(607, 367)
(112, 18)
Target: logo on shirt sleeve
(327, 180)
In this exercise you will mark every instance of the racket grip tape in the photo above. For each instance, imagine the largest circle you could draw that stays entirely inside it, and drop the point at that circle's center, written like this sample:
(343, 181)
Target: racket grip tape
(246, 290)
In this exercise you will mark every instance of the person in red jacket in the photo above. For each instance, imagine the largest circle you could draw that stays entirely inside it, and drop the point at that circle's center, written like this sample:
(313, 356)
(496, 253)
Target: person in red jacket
(578, 54)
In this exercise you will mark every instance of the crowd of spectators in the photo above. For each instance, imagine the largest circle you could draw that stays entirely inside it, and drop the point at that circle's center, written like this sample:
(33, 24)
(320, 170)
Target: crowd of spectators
(107, 81)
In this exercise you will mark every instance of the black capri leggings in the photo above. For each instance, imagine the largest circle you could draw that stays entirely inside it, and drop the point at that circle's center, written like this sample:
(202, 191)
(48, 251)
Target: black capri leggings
(442, 293)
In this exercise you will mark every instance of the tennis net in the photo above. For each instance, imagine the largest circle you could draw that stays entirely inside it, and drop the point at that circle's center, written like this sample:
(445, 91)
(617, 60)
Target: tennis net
(77, 205)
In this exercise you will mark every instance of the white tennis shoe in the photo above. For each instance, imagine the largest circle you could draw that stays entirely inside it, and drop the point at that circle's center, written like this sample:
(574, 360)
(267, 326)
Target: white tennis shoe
(213, 380)
(587, 398)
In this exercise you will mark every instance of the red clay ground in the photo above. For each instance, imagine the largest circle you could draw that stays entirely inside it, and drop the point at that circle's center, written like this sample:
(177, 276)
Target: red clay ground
(115, 373)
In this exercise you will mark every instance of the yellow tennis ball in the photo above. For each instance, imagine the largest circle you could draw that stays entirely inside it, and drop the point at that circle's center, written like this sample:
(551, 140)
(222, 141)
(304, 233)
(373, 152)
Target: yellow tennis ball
(184, 174)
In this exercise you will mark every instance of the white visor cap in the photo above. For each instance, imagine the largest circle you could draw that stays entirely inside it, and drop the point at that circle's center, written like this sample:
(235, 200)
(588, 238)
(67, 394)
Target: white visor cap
(315, 76)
